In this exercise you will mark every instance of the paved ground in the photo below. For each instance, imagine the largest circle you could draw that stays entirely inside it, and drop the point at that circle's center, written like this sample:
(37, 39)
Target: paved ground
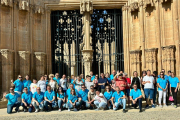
(169, 113)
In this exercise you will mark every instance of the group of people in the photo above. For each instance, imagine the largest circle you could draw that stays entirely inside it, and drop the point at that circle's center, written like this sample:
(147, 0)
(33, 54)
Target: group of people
(94, 92)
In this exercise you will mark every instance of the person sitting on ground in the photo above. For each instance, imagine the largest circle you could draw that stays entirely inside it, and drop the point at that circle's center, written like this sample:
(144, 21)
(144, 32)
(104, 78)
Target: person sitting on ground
(26, 100)
(38, 100)
(108, 95)
(136, 97)
(88, 82)
(119, 98)
(12, 100)
(84, 97)
(73, 100)
(99, 100)
(91, 95)
(33, 86)
(49, 98)
(61, 96)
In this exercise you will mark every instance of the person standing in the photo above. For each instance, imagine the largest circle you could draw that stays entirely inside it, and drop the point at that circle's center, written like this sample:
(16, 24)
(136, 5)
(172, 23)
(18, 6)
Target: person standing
(63, 83)
(78, 83)
(155, 86)
(84, 97)
(18, 86)
(95, 81)
(174, 84)
(108, 96)
(12, 100)
(100, 101)
(112, 75)
(46, 79)
(27, 82)
(53, 83)
(108, 78)
(136, 97)
(56, 78)
(82, 77)
(26, 100)
(102, 83)
(88, 82)
(33, 86)
(162, 84)
(68, 81)
(92, 76)
(128, 84)
(61, 96)
(135, 80)
(148, 82)
(120, 82)
(42, 84)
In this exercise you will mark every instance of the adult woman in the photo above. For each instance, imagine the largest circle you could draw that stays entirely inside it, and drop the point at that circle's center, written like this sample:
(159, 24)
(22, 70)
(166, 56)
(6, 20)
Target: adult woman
(136, 80)
(108, 96)
(68, 81)
(162, 87)
(155, 86)
(144, 73)
(42, 84)
(107, 76)
(73, 100)
(95, 81)
(53, 83)
(78, 83)
(61, 96)
(174, 83)
(82, 77)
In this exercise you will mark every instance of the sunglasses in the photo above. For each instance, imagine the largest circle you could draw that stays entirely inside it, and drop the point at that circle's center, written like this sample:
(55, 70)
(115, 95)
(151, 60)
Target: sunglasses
(20, 77)
(107, 88)
(92, 88)
(57, 75)
(38, 89)
(45, 76)
(82, 87)
(162, 74)
(11, 89)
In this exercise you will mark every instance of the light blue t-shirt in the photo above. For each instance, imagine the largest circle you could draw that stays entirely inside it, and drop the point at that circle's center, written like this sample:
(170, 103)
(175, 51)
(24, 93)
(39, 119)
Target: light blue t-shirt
(93, 77)
(116, 96)
(27, 97)
(73, 98)
(12, 99)
(27, 83)
(82, 80)
(84, 95)
(135, 94)
(61, 95)
(108, 95)
(174, 81)
(68, 92)
(111, 76)
(162, 83)
(167, 78)
(109, 80)
(18, 85)
(56, 79)
(50, 95)
(38, 97)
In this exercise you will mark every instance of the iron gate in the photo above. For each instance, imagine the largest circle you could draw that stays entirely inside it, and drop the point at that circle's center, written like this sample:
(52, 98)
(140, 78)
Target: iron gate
(107, 39)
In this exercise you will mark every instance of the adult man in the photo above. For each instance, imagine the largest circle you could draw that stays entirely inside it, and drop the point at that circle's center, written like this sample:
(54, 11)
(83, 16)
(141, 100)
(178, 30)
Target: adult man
(88, 82)
(26, 100)
(12, 100)
(63, 83)
(102, 82)
(91, 95)
(27, 82)
(120, 82)
(49, 98)
(113, 74)
(38, 99)
(56, 78)
(92, 76)
(84, 97)
(148, 82)
(120, 99)
(136, 97)
(18, 86)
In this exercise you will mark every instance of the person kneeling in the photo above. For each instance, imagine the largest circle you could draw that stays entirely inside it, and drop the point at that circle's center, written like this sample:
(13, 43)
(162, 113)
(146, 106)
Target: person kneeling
(100, 101)
(136, 97)
(38, 99)
(119, 99)
(26, 100)
(12, 100)
(73, 100)
(84, 97)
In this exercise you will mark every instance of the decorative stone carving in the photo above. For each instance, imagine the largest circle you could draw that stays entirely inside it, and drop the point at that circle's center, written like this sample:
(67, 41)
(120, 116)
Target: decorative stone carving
(134, 6)
(7, 3)
(125, 7)
(86, 6)
(87, 60)
(39, 9)
(149, 2)
(23, 5)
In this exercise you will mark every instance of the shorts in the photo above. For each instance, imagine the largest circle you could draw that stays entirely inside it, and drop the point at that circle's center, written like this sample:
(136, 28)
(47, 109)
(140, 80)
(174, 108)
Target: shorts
(149, 92)
(127, 92)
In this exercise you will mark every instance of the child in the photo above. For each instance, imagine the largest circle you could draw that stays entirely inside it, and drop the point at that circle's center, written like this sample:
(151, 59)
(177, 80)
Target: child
(33, 86)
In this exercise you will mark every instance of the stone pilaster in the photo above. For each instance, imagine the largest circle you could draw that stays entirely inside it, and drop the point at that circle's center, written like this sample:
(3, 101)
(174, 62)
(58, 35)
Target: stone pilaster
(23, 5)
(7, 68)
(40, 59)
(7, 3)
(24, 62)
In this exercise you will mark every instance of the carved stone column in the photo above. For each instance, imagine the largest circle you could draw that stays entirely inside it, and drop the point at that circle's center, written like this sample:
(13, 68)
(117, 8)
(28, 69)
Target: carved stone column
(86, 8)
(40, 58)
(7, 68)
(24, 62)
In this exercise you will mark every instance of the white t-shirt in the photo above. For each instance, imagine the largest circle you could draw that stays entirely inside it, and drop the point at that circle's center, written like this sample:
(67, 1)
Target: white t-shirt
(99, 99)
(88, 85)
(33, 87)
(148, 85)
(63, 83)
(42, 85)
(52, 84)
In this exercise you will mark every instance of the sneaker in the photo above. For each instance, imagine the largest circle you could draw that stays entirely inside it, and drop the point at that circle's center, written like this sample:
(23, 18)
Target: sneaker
(59, 109)
(172, 104)
(153, 106)
(175, 106)
(124, 111)
(75, 109)
(140, 111)
(25, 110)
(36, 110)
(97, 109)
(160, 106)
(164, 105)
(69, 110)
(147, 106)
(17, 111)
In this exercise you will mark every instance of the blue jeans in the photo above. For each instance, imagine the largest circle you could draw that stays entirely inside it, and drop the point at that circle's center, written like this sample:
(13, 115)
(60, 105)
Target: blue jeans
(139, 101)
(10, 107)
(110, 104)
(28, 105)
(53, 104)
(121, 102)
(100, 104)
(70, 106)
(60, 102)
(149, 92)
(154, 95)
(41, 106)
(84, 103)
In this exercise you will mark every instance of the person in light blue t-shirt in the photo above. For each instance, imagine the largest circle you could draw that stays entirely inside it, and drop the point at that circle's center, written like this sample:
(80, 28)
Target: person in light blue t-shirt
(112, 75)
(12, 100)
(83, 93)
(73, 100)
(61, 96)
(136, 97)
(18, 86)
(27, 82)
(108, 95)
(56, 78)
(92, 76)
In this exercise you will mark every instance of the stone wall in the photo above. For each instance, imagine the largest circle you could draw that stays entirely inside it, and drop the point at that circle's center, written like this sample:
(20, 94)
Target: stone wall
(151, 32)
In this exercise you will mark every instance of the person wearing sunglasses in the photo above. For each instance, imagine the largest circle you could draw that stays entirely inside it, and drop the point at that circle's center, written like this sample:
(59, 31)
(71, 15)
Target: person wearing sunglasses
(73, 101)
(26, 100)
(56, 78)
(108, 96)
(46, 79)
(49, 99)
(42, 84)
(18, 86)
(27, 82)
(38, 100)
(83, 93)
(91, 95)
(12, 100)
(174, 84)
(162, 84)
(53, 83)
(61, 96)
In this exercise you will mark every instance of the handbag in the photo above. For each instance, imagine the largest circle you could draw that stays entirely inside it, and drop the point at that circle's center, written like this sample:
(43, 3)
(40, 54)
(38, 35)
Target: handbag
(171, 98)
